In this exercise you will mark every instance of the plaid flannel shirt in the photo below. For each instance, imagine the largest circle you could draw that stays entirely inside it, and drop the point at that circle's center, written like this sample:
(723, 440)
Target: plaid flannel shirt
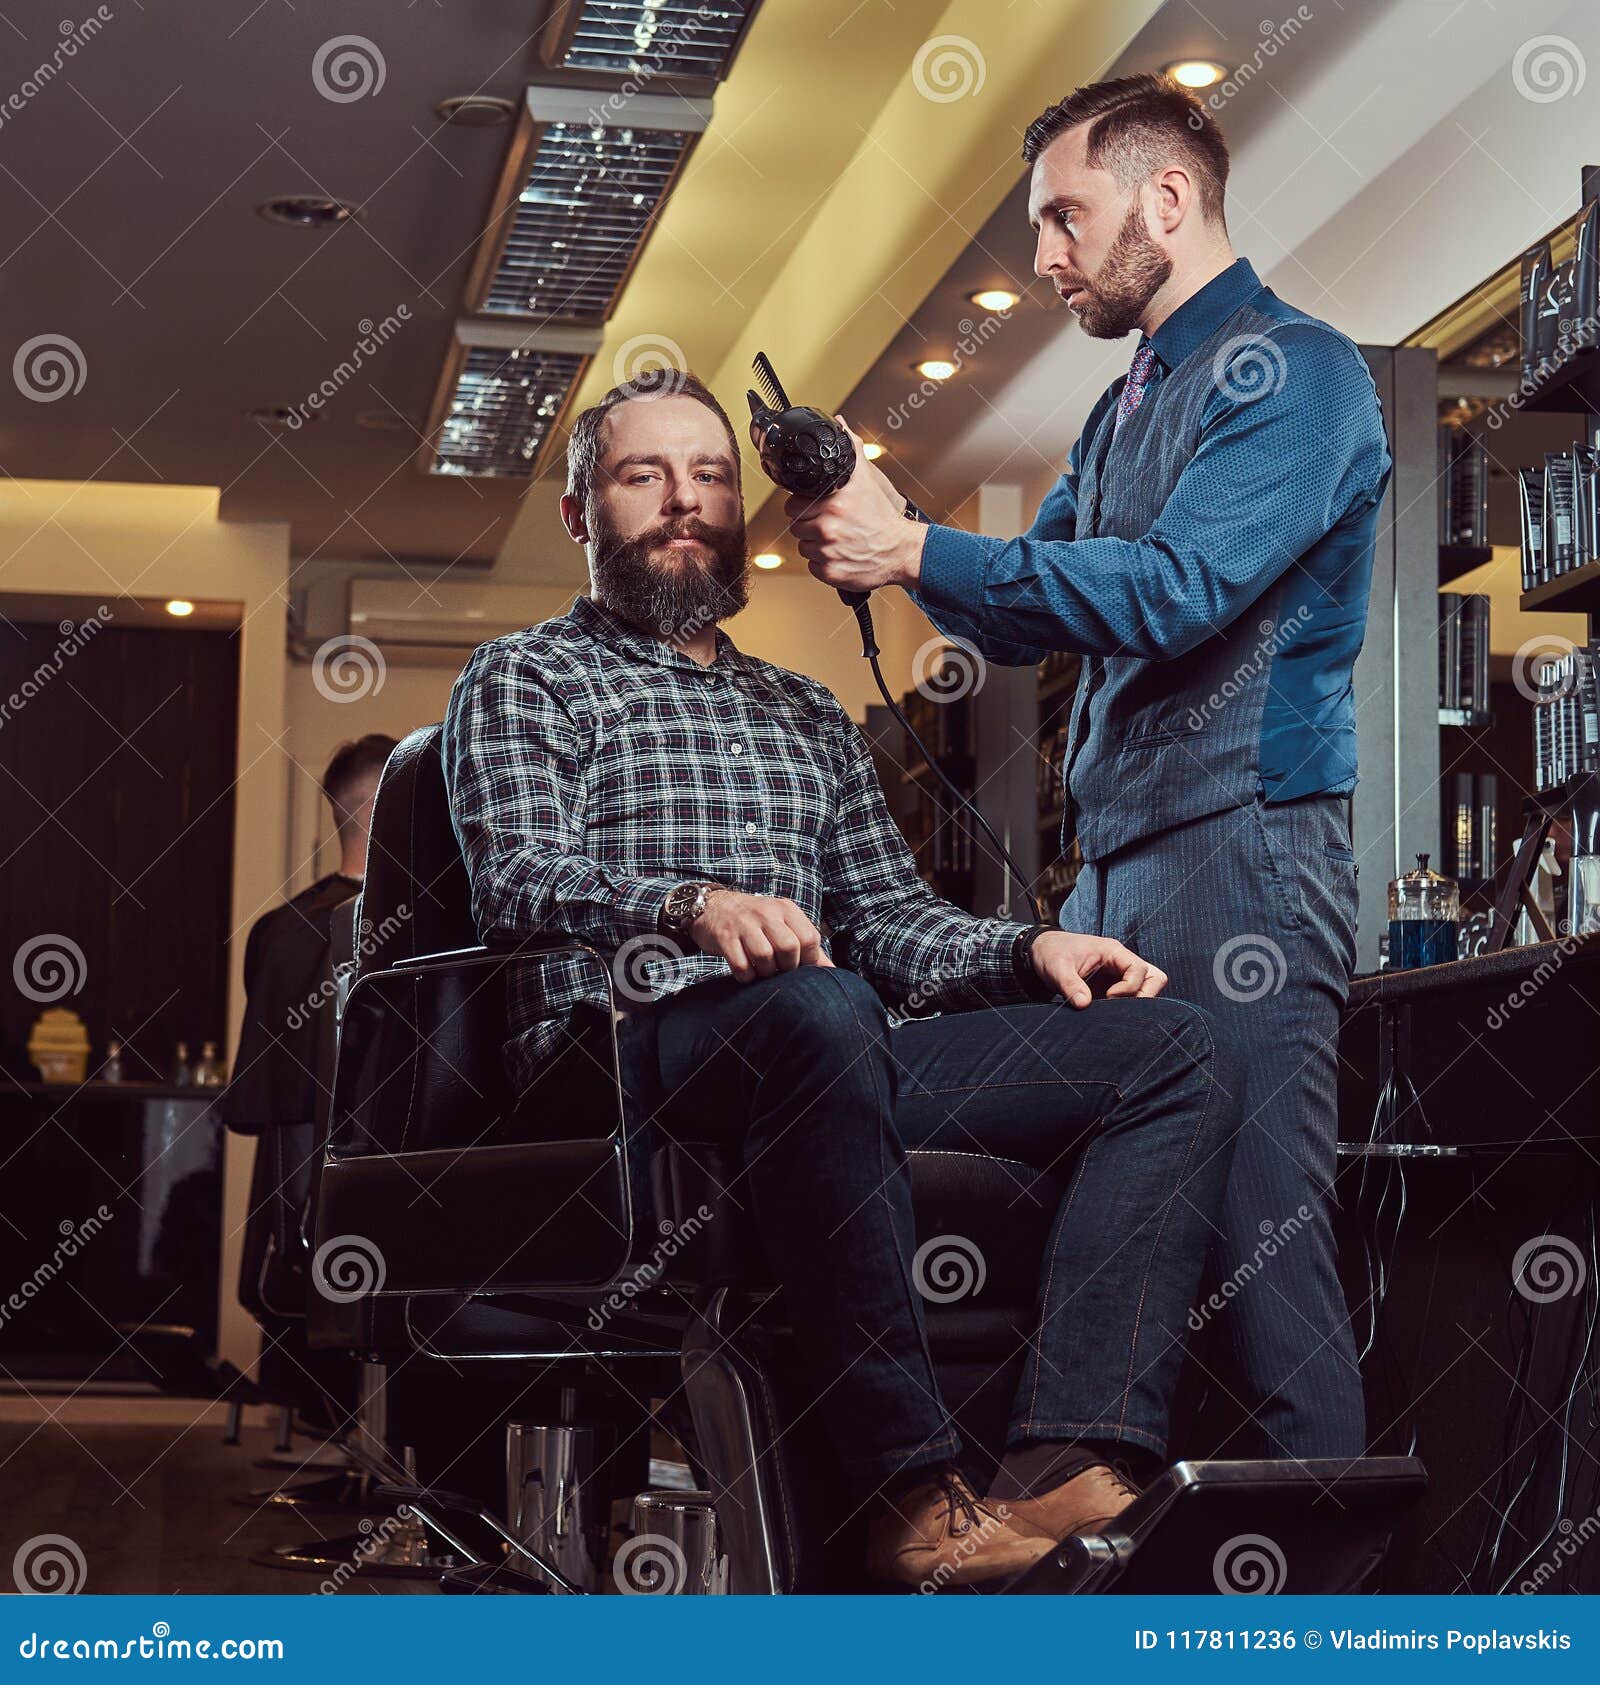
(592, 769)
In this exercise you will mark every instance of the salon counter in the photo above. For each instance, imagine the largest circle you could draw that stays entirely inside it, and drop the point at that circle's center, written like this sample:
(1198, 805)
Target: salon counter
(110, 1231)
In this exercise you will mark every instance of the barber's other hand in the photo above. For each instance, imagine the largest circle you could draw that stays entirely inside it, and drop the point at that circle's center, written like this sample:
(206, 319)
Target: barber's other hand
(1082, 967)
(758, 935)
(858, 538)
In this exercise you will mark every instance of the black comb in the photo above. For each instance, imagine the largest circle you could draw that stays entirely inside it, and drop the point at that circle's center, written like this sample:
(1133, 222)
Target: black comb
(771, 387)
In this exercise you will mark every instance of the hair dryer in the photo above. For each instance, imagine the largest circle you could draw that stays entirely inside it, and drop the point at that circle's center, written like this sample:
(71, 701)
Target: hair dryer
(809, 453)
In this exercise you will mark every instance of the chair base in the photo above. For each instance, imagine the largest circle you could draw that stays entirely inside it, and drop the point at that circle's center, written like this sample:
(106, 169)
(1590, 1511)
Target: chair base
(347, 1492)
(405, 1554)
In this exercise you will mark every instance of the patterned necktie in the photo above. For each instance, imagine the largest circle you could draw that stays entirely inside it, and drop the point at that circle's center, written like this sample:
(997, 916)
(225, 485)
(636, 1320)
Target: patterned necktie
(1144, 360)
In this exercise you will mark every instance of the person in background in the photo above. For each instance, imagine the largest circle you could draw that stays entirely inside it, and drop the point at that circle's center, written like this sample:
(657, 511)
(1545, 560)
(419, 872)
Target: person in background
(276, 1092)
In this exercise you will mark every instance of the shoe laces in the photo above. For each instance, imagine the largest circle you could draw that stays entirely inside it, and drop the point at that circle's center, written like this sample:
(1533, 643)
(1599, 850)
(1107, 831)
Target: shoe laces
(1121, 1477)
(958, 1496)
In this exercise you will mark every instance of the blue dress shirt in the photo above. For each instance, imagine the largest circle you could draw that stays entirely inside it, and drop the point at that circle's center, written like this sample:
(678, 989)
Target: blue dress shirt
(1289, 477)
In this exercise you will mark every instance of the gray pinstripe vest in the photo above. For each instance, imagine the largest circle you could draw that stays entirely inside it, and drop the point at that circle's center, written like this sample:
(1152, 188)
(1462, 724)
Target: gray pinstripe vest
(1155, 744)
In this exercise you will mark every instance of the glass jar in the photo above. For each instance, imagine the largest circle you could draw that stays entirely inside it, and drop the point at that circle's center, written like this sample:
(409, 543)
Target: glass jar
(1424, 916)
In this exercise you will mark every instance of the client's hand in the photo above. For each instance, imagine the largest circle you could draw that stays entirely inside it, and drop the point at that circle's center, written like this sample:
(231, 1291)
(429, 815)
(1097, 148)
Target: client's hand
(758, 935)
(1081, 967)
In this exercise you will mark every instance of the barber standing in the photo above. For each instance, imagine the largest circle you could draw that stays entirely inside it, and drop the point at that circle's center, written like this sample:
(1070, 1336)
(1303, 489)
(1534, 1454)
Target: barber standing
(1208, 552)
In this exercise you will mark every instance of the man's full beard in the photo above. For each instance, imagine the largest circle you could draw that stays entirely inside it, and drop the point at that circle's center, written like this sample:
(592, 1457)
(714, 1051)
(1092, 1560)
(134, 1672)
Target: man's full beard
(1135, 269)
(671, 599)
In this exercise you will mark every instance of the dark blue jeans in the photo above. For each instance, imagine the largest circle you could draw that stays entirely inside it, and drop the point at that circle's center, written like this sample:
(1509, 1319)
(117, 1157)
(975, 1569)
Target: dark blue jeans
(1133, 1102)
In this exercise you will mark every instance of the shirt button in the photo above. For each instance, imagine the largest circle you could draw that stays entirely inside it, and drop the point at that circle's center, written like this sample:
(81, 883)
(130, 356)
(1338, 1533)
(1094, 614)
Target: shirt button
(736, 748)
(750, 827)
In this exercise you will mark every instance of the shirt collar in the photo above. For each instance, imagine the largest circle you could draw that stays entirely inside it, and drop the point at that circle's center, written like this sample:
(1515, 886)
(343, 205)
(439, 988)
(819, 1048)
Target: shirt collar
(1199, 316)
(616, 634)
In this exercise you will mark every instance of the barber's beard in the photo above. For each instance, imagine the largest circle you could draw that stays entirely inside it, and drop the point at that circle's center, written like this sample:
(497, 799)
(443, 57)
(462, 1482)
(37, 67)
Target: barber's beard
(1134, 271)
(671, 595)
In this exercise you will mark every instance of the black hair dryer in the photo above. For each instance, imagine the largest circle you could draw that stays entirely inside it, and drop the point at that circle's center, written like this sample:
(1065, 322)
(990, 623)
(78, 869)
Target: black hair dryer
(802, 450)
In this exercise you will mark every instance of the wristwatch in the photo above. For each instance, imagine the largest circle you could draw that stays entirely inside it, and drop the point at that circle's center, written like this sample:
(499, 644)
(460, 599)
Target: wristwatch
(1022, 958)
(684, 905)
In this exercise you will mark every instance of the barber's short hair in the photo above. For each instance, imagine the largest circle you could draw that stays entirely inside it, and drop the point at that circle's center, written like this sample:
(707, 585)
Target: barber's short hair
(352, 765)
(1139, 124)
(583, 442)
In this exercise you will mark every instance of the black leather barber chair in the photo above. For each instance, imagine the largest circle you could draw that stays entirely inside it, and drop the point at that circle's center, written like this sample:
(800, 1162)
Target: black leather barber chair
(532, 1230)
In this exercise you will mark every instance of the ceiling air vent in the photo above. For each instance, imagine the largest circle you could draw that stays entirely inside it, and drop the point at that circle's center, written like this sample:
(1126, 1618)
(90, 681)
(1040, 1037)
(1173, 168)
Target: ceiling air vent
(685, 40)
(587, 174)
(503, 394)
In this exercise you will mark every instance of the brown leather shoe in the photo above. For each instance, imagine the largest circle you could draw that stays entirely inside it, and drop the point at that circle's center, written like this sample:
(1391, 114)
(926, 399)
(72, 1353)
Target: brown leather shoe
(1083, 1504)
(940, 1534)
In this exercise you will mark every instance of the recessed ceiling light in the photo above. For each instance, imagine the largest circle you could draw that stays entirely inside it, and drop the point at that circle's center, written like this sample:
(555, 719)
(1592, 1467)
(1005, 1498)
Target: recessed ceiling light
(181, 607)
(475, 111)
(281, 415)
(936, 368)
(768, 559)
(872, 450)
(306, 210)
(1195, 73)
(994, 298)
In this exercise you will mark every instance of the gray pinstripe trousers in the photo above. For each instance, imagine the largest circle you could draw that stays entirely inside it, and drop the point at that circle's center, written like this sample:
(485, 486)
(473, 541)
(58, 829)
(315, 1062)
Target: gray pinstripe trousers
(1251, 913)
